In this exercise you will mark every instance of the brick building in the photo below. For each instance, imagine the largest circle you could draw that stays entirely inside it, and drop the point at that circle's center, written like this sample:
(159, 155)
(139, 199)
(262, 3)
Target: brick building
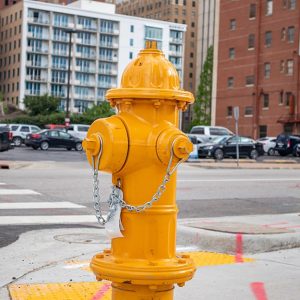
(258, 66)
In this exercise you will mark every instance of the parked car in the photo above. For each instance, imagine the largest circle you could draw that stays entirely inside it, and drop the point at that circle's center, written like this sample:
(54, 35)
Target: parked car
(269, 144)
(5, 138)
(196, 142)
(78, 130)
(20, 131)
(286, 144)
(207, 133)
(53, 138)
(225, 146)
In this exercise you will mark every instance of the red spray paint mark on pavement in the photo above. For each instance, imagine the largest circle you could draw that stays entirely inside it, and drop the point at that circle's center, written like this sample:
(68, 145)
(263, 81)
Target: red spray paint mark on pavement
(258, 290)
(101, 292)
(239, 248)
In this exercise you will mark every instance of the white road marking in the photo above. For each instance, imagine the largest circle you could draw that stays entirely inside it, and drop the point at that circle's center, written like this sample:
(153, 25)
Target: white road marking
(18, 192)
(239, 180)
(34, 205)
(37, 220)
(2, 183)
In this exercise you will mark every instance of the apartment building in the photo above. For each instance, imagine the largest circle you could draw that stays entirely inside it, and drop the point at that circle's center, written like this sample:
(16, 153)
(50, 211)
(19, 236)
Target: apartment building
(34, 49)
(181, 12)
(258, 67)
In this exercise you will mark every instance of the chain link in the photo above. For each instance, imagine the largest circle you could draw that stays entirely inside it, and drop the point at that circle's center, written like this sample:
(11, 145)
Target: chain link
(116, 196)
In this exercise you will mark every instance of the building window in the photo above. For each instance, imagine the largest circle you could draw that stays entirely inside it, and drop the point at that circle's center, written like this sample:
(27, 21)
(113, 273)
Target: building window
(130, 55)
(288, 96)
(251, 41)
(267, 70)
(250, 80)
(191, 75)
(248, 111)
(290, 67)
(231, 53)
(283, 34)
(263, 131)
(230, 82)
(131, 28)
(291, 4)
(265, 101)
(282, 66)
(269, 7)
(229, 111)
(268, 38)
(291, 34)
(252, 11)
(280, 98)
(131, 42)
(232, 24)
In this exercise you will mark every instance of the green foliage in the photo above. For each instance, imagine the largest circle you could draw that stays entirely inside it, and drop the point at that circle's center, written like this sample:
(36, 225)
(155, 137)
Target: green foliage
(202, 106)
(100, 111)
(41, 105)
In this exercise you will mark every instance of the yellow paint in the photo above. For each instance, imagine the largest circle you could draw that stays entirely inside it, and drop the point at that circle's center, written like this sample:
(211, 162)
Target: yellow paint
(102, 290)
(136, 147)
(61, 291)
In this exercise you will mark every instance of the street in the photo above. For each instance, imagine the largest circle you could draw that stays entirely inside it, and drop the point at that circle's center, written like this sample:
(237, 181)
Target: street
(51, 191)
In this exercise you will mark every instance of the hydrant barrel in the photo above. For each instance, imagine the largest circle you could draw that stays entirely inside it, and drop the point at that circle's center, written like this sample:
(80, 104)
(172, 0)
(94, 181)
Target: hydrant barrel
(141, 146)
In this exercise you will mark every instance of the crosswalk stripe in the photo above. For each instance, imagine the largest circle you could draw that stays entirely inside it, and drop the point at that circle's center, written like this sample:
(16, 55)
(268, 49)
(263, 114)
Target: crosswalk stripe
(2, 183)
(33, 220)
(17, 192)
(35, 205)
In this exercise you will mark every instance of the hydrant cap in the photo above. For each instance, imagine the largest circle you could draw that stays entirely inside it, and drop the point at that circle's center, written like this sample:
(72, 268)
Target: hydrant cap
(150, 76)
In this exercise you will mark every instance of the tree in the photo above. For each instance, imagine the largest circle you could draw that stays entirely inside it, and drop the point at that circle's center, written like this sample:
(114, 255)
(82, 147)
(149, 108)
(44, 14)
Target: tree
(99, 111)
(41, 105)
(202, 106)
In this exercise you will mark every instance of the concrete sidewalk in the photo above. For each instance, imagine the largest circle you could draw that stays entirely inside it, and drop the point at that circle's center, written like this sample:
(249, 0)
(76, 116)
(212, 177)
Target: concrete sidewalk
(57, 260)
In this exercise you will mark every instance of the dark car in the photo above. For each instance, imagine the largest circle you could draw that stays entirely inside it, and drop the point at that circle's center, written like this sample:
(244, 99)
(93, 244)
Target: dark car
(286, 144)
(225, 146)
(5, 138)
(53, 138)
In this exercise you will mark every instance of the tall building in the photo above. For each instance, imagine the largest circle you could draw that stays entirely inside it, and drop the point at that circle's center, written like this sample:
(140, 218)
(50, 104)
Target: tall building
(178, 11)
(35, 41)
(6, 3)
(258, 66)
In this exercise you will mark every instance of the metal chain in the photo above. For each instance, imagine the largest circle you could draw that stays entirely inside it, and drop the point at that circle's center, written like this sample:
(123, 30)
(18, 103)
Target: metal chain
(116, 195)
(161, 189)
(96, 194)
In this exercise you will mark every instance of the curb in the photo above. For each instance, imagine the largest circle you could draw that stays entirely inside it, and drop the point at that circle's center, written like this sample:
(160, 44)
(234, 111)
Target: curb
(229, 243)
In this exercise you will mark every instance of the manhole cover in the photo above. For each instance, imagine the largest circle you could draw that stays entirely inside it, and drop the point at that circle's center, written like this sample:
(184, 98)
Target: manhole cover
(230, 227)
(83, 238)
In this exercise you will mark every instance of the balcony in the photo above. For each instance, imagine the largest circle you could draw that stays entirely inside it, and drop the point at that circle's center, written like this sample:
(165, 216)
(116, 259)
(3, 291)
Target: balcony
(31, 63)
(175, 53)
(42, 21)
(36, 78)
(176, 40)
(289, 118)
(108, 71)
(33, 92)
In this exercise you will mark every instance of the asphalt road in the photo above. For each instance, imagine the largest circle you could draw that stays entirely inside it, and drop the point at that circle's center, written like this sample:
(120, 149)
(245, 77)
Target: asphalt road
(60, 176)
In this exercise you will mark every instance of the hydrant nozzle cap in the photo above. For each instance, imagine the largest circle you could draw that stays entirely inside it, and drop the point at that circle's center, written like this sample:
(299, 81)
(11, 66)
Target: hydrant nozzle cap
(150, 76)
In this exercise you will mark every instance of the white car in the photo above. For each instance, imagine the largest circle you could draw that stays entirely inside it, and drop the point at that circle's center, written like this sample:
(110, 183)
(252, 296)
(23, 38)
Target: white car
(78, 130)
(269, 144)
(20, 131)
(207, 133)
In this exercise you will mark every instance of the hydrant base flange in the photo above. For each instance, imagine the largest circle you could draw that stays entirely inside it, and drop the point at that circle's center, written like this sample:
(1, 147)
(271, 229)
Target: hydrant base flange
(143, 272)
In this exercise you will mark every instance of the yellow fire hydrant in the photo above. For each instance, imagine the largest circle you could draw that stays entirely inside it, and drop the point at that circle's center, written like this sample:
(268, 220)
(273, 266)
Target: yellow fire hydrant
(141, 147)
